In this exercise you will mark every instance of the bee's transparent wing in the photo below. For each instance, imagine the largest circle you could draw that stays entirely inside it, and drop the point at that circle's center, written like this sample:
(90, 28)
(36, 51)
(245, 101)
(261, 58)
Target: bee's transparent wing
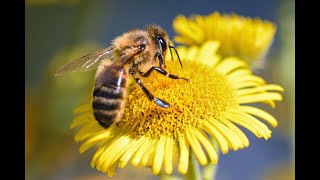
(87, 62)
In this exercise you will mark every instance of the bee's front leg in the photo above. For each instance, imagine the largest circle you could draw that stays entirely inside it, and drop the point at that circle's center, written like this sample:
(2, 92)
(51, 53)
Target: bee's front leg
(158, 101)
(163, 72)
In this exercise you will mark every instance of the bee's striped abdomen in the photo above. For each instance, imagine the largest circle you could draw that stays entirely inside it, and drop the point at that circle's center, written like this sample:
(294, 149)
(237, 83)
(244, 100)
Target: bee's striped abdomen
(109, 95)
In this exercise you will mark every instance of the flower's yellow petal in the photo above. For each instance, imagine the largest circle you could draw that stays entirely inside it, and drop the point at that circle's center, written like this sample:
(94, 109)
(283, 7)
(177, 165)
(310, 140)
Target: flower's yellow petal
(244, 124)
(237, 131)
(238, 73)
(112, 169)
(98, 154)
(112, 150)
(83, 108)
(267, 87)
(252, 98)
(188, 29)
(179, 21)
(207, 52)
(80, 120)
(229, 64)
(203, 139)
(261, 129)
(128, 154)
(217, 135)
(182, 40)
(266, 131)
(184, 154)
(199, 35)
(150, 160)
(246, 78)
(210, 32)
(103, 136)
(141, 151)
(88, 130)
(246, 85)
(159, 155)
(193, 52)
(168, 155)
(113, 160)
(233, 140)
(149, 153)
(175, 153)
(183, 53)
(115, 154)
(260, 113)
(270, 103)
(196, 148)
(199, 20)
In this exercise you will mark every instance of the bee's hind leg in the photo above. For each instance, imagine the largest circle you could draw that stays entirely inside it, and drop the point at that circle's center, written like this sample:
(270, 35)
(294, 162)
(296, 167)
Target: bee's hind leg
(158, 101)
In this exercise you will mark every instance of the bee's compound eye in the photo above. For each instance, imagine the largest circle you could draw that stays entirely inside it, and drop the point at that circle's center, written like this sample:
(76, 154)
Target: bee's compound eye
(142, 47)
(162, 42)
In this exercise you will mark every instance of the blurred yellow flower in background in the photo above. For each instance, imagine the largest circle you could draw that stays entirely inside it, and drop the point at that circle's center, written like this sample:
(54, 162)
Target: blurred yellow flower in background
(244, 37)
(211, 106)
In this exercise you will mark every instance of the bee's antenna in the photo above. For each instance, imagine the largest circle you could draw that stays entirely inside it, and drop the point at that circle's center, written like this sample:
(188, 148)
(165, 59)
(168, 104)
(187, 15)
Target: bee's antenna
(176, 53)
(171, 52)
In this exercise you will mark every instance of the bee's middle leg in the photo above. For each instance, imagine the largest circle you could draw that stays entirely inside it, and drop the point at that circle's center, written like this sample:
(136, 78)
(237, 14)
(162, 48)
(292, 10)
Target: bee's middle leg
(163, 72)
(158, 101)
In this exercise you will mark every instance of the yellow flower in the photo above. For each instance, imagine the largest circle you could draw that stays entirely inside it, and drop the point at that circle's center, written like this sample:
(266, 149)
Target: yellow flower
(211, 105)
(246, 38)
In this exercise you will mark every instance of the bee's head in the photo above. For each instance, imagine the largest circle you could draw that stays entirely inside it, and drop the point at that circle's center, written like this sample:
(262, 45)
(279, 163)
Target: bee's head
(159, 36)
(161, 39)
(161, 43)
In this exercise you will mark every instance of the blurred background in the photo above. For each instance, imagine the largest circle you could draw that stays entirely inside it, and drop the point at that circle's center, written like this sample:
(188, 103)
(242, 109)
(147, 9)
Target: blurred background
(57, 31)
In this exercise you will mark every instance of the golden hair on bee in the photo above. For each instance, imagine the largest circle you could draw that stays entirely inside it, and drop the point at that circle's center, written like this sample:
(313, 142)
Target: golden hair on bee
(136, 53)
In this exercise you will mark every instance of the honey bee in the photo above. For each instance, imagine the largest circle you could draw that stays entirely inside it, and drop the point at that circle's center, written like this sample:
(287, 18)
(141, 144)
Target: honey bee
(134, 52)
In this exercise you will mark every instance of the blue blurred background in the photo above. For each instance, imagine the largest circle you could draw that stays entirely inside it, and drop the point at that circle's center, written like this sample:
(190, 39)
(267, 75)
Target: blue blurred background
(58, 31)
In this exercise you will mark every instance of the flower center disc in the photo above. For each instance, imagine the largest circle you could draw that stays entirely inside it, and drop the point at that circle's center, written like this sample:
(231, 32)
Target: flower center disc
(207, 95)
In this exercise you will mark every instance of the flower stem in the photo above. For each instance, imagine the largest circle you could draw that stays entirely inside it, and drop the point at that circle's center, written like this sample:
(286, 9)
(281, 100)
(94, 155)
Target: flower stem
(209, 171)
(193, 169)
